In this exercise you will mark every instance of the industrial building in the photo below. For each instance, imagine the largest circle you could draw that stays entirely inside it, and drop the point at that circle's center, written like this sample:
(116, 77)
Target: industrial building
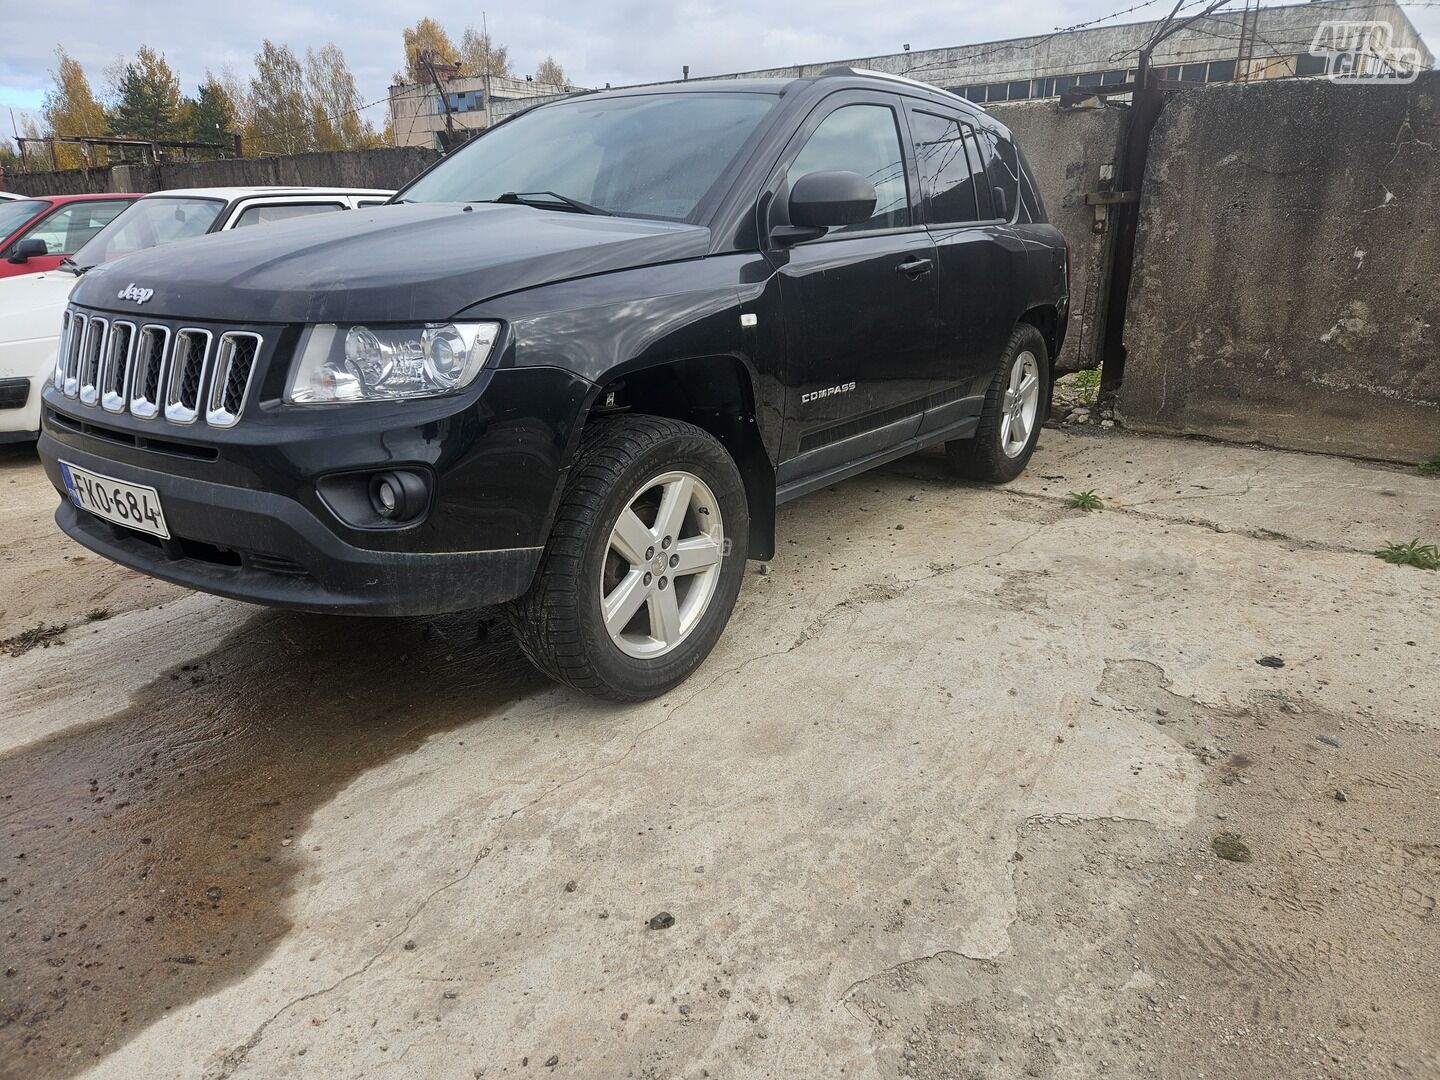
(1236, 45)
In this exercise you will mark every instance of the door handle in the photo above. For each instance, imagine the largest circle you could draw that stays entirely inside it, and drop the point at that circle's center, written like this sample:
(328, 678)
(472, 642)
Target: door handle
(915, 267)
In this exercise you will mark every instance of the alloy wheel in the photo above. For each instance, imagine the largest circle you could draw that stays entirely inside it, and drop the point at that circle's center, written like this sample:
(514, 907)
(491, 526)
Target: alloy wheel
(662, 565)
(1022, 405)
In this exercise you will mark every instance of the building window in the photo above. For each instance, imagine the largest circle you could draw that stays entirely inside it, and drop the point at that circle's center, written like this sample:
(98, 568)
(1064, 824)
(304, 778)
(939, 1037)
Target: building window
(1066, 82)
(1221, 71)
(975, 93)
(1112, 78)
(1091, 78)
(1193, 73)
(1310, 64)
(997, 92)
(1019, 91)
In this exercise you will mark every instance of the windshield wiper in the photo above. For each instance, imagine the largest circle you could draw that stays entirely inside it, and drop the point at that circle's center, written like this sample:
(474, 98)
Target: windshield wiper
(549, 200)
(67, 263)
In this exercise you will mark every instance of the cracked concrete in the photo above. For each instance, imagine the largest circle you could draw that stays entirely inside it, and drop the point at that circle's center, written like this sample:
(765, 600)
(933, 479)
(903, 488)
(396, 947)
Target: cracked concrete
(940, 804)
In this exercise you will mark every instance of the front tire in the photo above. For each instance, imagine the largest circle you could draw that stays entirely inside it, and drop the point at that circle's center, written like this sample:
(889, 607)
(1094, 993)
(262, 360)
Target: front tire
(603, 614)
(1014, 410)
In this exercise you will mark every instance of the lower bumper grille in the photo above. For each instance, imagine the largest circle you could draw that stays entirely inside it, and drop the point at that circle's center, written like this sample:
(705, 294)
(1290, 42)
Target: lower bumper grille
(14, 393)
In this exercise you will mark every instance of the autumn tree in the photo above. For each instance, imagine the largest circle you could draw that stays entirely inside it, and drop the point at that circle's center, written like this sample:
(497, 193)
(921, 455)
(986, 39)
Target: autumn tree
(334, 101)
(280, 117)
(550, 72)
(148, 102)
(427, 37)
(71, 109)
(481, 56)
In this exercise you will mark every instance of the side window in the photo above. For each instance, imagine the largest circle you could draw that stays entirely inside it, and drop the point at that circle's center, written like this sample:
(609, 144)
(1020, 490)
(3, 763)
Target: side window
(1002, 168)
(1031, 202)
(68, 229)
(264, 215)
(945, 178)
(865, 140)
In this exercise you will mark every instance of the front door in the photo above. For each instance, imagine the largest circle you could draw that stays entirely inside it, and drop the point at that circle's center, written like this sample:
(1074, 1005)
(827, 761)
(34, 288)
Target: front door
(860, 303)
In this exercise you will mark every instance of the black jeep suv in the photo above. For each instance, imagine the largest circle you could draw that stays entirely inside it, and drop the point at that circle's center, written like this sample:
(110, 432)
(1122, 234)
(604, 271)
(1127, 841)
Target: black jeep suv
(573, 368)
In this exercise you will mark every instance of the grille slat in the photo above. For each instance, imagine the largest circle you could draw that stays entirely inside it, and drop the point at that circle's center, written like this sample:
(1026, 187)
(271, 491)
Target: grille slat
(234, 365)
(187, 375)
(91, 354)
(149, 371)
(73, 345)
(115, 371)
(156, 370)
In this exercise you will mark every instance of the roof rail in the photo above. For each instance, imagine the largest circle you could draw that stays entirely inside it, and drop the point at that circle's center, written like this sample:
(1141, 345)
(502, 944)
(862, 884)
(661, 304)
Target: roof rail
(872, 73)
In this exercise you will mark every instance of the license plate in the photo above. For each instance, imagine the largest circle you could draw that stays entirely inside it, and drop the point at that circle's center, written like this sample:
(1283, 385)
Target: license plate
(133, 505)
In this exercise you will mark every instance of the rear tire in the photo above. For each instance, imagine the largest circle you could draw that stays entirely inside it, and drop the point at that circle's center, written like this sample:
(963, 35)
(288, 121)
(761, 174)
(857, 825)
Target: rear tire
(603, 615)
(1016, 405)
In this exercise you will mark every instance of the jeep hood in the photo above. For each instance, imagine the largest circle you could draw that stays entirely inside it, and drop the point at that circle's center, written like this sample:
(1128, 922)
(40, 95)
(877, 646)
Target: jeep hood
(397, 263)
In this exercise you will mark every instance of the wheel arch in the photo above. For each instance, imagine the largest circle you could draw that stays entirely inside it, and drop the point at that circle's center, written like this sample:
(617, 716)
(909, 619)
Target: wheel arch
(1046, 319)
(716, 393)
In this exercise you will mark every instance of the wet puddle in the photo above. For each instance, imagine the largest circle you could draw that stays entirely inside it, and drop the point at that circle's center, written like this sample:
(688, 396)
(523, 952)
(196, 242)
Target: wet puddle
(145, 860)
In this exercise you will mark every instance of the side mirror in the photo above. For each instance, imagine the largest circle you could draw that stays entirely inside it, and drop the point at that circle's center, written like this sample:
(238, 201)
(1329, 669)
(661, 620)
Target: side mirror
(826, 200)
(1002, 203)
(26, 250)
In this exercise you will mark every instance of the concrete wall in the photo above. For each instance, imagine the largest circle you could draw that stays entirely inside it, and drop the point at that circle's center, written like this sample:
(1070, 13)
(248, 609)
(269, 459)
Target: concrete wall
(385, 168)
(1067, 149)
(1288, 282)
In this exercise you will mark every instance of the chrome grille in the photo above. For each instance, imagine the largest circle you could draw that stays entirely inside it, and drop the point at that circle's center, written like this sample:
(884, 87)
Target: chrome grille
(157, 370)
(149, 364)
(187, 375)
(91, 352)
(62, 347)
(68, 376)
(115, 370)
(234, 364)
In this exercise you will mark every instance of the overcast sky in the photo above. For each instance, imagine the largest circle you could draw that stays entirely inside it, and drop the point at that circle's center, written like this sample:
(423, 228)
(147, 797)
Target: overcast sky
(596, 42)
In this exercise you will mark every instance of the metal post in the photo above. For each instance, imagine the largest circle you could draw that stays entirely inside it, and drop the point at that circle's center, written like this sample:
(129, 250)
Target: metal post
(1145, 107)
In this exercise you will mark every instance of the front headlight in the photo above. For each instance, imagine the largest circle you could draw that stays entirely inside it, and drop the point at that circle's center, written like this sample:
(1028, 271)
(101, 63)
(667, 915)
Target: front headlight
(388, 363)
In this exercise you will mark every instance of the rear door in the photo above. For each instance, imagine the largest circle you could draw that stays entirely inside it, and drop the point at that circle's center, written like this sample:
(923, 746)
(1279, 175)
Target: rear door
(860, 302)
(981, 259)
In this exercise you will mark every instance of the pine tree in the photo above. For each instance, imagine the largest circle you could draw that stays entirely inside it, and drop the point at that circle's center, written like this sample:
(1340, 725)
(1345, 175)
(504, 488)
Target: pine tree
(149, 99)
(210, 116)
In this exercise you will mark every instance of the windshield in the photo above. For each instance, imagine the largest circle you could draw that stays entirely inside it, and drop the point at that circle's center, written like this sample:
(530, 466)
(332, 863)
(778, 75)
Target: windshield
(652, 156)
(145, 224)
(15, 214)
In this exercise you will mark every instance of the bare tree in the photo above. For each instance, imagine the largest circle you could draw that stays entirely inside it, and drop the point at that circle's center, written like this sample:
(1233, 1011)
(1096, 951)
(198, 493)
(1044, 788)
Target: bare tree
(480, 54)
(550, 72)
(334, 101)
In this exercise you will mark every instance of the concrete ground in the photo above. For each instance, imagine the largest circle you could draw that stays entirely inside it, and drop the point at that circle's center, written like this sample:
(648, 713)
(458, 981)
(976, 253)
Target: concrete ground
(949, 800)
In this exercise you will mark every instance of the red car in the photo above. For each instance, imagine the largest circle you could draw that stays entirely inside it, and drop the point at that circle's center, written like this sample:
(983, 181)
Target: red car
(35, 234)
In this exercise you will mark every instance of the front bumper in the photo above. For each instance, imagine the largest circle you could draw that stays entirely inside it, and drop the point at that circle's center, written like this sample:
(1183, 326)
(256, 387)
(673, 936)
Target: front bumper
(267, 549)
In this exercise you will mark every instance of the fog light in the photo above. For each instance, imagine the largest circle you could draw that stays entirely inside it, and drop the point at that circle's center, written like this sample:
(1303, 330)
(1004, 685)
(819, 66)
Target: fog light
(398, 496)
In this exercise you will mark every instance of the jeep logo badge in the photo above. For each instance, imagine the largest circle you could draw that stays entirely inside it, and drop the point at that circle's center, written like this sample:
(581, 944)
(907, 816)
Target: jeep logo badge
(131, 292)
